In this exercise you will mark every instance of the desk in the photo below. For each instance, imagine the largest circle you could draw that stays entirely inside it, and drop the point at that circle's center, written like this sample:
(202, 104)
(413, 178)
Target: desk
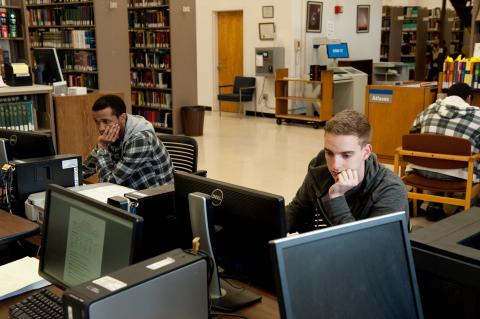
(267, 309)
(13, 227)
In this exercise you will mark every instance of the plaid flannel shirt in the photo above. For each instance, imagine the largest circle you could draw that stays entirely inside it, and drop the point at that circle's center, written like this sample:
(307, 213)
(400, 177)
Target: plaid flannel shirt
(140, 162)
(452, 116)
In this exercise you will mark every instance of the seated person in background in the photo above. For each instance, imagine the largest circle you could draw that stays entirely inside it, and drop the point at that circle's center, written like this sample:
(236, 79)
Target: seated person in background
(345, 182)
(452, 116)
(128, 152)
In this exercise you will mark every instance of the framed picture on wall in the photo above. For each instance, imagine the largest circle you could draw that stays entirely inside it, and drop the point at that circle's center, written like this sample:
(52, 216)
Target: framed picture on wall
(363, 18)
(314, 16)
(267, 12)
(266, 31)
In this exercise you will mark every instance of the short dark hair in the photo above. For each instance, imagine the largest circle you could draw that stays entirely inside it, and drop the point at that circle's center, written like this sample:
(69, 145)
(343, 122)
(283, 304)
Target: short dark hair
(112, 101)
(462, 90)
(350, 122)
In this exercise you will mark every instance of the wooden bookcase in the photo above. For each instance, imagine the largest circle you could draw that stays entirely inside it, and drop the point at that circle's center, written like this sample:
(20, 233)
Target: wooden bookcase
(150, 62)
(70, 28)
(12, 35)
(282, 98)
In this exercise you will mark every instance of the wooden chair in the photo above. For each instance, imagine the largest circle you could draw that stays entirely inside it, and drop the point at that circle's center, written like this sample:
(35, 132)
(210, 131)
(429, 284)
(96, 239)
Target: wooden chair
(183, 151)
(439, 152)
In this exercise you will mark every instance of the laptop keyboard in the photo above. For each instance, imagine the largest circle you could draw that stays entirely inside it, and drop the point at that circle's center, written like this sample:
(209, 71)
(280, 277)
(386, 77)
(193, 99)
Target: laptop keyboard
(41, 305)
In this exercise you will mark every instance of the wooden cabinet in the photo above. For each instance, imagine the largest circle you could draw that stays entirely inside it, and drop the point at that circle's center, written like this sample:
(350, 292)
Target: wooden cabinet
(391, 111)
(282, 98)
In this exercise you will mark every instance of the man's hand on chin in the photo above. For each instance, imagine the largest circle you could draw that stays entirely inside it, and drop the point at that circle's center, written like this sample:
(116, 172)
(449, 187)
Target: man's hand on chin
(345, 181)
(109, 136)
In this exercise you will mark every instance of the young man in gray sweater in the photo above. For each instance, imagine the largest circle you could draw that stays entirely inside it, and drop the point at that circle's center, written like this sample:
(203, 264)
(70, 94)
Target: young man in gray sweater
(345, 182)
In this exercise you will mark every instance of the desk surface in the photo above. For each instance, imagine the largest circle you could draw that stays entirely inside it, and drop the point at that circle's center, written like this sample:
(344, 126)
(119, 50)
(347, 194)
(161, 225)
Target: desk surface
(266, 309)
(13, 227)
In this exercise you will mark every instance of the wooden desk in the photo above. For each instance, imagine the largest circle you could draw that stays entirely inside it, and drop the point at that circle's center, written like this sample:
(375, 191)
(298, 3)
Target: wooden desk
(266, 309)
(13, 227)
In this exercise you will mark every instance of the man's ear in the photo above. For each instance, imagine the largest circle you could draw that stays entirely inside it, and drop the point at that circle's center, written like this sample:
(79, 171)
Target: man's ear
(123, 118)
(366, 151)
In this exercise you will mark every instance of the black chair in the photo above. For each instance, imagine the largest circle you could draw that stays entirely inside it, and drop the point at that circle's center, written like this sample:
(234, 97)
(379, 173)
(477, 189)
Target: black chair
(243, 91)
(183, 151)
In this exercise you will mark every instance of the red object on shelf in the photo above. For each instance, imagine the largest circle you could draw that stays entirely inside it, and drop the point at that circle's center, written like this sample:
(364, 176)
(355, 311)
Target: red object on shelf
(338, 9)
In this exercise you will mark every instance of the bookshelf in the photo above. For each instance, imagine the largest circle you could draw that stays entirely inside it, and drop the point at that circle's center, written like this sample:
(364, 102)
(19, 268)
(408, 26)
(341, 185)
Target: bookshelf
(391, 33)
(150, 62)
(12, 32)
(68, 26)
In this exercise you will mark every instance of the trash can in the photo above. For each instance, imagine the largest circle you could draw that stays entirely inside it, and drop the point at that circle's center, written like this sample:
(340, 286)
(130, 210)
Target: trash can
(192, 120)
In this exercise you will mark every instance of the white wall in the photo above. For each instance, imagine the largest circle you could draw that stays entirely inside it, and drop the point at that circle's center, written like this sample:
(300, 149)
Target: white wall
(289, 19)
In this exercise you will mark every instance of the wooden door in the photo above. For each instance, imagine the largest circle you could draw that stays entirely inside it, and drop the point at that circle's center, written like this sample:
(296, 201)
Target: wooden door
(230, 52)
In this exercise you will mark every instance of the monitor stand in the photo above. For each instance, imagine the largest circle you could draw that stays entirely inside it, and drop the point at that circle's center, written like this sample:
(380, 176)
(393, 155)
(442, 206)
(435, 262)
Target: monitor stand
(223, 295)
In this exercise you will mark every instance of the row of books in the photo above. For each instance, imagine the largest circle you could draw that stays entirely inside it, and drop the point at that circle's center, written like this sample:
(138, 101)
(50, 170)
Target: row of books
(149, 39)
(80, 16)
(33, 2)
(150, 79)
(87, 80)
(158, 59)
(409, 25)
(433, 24)
(157, 118)
(161, 100)
(8, 23)
(434, 13)
(78, 61)
(16, 112)
(461, 72)
(56, 38)
(146, 3)
(385, 24)
(410, 11)
(148, 19)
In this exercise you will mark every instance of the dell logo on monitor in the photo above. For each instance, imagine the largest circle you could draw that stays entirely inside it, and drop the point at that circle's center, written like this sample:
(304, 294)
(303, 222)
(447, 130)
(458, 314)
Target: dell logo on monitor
(217, 197)
(13, 140)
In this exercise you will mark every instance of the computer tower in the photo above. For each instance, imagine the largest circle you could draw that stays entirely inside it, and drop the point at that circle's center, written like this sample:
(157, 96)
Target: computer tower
(34, 174)
(172, 285)
(157, 207)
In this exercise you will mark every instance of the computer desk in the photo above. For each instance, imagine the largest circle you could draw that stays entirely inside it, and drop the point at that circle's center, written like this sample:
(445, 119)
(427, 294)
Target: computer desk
(266, 309)
(13, 227)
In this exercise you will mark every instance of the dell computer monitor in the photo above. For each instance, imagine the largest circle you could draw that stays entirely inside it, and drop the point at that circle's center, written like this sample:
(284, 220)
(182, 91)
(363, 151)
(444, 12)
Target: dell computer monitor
(245, 220)
(27, 144)
(362, 269)
(337, 51)
(84, 239)
(47, 66)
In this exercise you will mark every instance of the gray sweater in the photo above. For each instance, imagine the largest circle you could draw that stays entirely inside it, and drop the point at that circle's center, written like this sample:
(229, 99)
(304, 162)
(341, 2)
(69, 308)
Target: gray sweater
(380, 193)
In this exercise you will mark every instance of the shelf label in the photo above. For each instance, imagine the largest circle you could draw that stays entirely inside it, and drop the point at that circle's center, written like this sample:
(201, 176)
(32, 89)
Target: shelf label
(380, 96)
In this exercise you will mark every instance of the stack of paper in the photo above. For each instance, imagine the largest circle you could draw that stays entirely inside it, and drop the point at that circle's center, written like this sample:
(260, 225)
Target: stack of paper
(20, 276)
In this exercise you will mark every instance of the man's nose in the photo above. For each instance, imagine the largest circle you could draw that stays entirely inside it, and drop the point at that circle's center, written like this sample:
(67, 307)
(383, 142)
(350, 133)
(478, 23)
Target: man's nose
(337, 163)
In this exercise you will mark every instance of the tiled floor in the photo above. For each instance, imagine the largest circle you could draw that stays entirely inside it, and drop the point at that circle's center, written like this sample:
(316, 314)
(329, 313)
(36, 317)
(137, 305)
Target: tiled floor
(258, 153)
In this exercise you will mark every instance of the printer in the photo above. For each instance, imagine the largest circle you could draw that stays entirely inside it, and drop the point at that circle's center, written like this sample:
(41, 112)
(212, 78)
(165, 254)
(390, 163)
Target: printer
(18, 74)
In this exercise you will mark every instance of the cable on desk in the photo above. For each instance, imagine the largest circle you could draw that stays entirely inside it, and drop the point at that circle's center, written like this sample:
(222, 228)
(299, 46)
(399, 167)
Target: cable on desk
(223, 314)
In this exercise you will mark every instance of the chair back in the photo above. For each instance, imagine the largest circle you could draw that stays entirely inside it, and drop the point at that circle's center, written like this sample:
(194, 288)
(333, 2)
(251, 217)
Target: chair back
(436, 143)
(243, 81)
(183, 151)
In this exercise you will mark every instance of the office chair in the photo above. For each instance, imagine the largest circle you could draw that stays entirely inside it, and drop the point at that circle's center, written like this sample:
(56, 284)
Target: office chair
(243, 91)
(183, 151)
(437, 151)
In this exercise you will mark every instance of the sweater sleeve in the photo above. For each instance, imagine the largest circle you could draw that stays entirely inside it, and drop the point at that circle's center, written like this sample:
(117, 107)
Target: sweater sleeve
(300, 208)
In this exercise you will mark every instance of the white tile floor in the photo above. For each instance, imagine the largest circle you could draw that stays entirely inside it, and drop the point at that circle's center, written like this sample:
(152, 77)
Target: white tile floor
(258, 153)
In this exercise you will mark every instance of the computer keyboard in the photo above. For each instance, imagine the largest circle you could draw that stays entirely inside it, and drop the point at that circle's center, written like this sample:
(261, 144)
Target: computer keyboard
(41, 305)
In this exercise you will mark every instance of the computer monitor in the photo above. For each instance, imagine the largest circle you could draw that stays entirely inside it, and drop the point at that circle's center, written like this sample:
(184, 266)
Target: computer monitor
(27, 144)
(362, 269)
(47, 66)
(84, 239)
(337, 50)
(245, 220)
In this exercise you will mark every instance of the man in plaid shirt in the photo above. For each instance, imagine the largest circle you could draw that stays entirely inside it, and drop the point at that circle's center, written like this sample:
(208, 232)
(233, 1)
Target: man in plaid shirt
(452, 116)
(128, 152)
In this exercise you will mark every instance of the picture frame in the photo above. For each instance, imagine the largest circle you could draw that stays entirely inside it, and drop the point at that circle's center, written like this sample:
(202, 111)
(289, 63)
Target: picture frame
(266, 31)
(314, 16)
(363, 18)
(267, 12)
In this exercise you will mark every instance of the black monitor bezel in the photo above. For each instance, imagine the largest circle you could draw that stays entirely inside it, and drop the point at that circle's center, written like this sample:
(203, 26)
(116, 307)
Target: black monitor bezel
(137, 221)
(341, 43)
(277, 247)
(58, 67)
(280, 227)
(14, 136)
